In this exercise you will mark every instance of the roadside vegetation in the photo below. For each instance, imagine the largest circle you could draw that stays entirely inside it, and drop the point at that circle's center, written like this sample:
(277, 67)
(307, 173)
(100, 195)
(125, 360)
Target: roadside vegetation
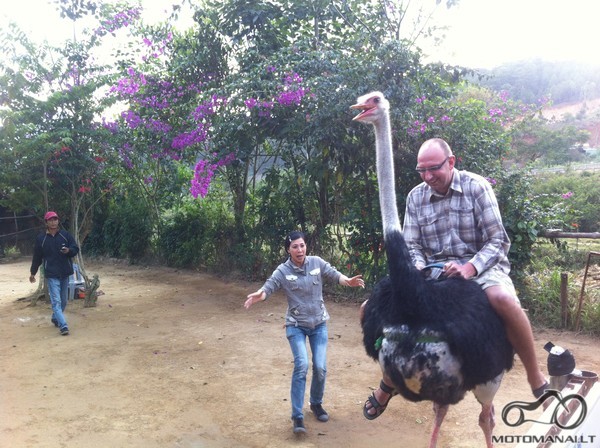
(202, 148)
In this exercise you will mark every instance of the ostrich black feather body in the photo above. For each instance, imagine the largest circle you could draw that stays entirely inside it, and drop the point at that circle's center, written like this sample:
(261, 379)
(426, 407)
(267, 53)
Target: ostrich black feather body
(443, 334)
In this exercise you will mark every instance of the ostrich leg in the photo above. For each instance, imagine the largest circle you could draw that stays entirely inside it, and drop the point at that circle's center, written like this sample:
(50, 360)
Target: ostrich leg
(487, 422)
(485, 394)
(440, 412)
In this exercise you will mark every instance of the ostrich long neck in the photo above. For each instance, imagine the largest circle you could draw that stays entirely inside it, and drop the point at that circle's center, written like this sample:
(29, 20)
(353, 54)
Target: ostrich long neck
(385, 176)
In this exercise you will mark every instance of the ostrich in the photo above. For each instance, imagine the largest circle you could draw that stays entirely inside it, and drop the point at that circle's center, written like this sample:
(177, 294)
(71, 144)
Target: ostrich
(436, 339)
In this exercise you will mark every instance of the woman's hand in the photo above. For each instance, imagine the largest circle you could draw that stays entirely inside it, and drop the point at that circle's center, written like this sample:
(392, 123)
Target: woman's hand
(352, 281)
(254, 297)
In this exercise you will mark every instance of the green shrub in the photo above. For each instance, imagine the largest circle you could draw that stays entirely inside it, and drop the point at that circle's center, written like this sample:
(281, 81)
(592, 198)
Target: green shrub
(127, 232)
(577, 195)
(540, 289)
(197, 233)
(122, 229)
(522, 216)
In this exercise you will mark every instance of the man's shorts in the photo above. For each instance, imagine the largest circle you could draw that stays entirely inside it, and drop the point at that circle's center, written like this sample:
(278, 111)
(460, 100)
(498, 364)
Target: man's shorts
(496, 277)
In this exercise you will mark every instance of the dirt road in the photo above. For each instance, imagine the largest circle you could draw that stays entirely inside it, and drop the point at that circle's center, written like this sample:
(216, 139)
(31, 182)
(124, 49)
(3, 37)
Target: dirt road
(170, 358)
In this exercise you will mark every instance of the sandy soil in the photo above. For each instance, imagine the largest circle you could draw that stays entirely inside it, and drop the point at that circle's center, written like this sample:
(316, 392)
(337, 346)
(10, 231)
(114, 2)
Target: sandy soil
(170, 358)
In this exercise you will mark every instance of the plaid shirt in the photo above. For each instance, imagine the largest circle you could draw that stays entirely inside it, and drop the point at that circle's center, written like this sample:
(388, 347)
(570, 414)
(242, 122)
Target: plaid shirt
(464, 225)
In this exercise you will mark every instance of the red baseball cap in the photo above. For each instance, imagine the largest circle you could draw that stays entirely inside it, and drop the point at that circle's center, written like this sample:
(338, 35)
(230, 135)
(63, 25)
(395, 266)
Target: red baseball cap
(50, 215)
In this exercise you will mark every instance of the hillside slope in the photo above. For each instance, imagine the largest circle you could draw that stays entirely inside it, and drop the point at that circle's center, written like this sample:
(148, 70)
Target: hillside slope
(590, 122)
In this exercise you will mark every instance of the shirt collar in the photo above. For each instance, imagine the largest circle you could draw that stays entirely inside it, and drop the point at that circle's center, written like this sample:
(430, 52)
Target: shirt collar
(455, 184)
(297, 268)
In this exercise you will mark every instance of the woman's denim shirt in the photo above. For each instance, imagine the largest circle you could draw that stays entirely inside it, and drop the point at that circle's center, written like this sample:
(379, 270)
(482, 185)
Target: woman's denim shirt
(303, 287)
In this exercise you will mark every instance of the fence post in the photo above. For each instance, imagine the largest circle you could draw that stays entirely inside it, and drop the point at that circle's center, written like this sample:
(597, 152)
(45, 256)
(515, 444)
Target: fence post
(564, 299)
(587, 265)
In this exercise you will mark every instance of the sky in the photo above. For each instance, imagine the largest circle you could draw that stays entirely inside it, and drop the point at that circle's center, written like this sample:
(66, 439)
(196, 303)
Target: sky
(487, 33)
(482, 34)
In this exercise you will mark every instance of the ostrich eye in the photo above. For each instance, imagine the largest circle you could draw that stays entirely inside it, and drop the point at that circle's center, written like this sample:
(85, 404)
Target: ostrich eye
(376, 100)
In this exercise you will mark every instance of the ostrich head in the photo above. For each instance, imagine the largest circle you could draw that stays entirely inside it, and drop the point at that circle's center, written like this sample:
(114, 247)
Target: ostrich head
(373, 107)
(375, 111)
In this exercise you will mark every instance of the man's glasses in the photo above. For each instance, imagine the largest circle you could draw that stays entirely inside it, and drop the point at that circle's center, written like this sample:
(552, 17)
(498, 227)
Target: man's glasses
(432, 168)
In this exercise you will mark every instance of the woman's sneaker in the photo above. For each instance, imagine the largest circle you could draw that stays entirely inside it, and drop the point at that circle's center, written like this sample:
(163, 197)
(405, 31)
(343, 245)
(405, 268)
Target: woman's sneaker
(319, 412)
(299, 426)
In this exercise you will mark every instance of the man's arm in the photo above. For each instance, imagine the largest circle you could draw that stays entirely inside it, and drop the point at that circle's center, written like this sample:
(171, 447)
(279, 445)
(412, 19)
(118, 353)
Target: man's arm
(495, 239)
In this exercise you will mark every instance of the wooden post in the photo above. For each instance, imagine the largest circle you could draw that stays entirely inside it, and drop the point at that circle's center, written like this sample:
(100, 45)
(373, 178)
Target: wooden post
(579, 305)
(564, 299)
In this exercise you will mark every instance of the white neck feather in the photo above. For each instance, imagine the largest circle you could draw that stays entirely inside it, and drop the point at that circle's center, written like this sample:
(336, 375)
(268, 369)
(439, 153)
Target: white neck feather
(385, 176)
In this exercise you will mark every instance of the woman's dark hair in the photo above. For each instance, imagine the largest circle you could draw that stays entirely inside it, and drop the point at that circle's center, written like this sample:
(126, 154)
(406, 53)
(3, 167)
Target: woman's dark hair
(292, 237)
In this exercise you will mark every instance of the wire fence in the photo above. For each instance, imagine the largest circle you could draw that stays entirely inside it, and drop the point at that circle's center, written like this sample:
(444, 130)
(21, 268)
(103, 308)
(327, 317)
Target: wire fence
(14, 236)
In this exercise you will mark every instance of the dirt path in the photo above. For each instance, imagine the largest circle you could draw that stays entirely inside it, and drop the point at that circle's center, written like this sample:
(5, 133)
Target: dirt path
(170, 358)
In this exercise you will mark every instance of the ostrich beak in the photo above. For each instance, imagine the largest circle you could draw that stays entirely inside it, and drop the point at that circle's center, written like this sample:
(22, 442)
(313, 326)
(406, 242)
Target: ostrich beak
(365, 108)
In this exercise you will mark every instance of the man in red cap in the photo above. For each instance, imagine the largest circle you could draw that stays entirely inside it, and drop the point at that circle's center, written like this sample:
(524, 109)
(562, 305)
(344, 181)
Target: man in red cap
(56, 249)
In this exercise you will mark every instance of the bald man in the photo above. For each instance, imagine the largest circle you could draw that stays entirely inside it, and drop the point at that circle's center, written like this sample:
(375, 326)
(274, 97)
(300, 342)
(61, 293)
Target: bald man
(452, 217)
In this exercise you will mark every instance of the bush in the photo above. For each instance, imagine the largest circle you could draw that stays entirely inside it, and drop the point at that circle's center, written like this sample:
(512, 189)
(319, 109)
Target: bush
(197, 234)
(522, 216)
(122, 229)
(541, 288)
(127, 232)
(576, 194)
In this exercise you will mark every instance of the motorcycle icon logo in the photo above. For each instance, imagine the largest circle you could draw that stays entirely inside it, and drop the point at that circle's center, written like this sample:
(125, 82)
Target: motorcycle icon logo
(561, 405)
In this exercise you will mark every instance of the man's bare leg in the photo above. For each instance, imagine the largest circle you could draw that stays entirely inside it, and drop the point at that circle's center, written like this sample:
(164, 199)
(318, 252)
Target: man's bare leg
(518, 331)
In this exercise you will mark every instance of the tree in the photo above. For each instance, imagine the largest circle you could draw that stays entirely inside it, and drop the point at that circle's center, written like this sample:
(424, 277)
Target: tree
(536, 141)
(250, 109)
(52, 140)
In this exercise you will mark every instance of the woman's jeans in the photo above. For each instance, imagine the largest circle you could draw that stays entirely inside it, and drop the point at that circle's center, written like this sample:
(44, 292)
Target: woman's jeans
(58, 289)
(317, 339)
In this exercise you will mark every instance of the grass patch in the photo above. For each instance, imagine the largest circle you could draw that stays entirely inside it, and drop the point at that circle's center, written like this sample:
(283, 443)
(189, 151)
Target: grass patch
(540, 289)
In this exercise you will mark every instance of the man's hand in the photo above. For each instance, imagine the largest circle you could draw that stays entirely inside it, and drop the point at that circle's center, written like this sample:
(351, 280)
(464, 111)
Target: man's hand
(466, 271)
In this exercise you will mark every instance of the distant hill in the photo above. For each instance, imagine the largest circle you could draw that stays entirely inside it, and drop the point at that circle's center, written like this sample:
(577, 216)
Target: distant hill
(562, 111)
(533, 80)
(582, 114)
(568, 87)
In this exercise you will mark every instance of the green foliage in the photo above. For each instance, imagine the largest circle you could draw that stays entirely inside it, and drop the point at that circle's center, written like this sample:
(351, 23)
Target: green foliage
(51, 141)
(575, 195)
(126, 231)
(541, 296)
(302, 165)
(183, 231)
(540, 290)
(197, 233)
(535, 141)
(280, 199)
(523, 218)
(528, 208)
(366, 252)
